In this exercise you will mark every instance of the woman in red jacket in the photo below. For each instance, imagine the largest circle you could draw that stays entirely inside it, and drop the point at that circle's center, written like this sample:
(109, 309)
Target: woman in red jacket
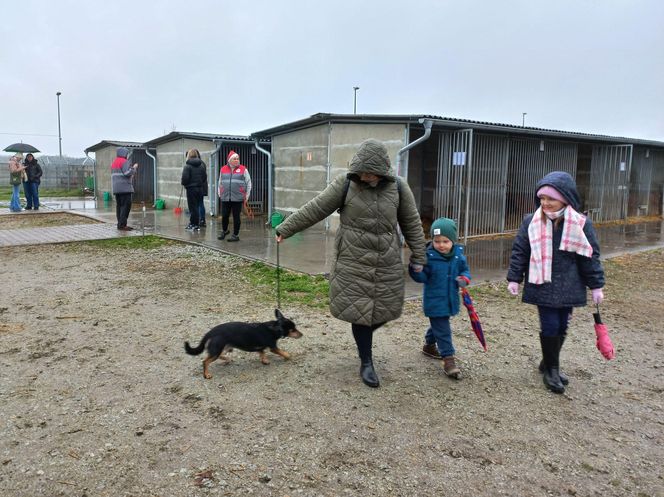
(233, 189)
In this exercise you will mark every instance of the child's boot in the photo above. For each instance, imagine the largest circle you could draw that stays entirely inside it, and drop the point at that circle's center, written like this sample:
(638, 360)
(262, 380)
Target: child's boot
(564, 379)
(450, 368)
(430, 349)
(550, 353)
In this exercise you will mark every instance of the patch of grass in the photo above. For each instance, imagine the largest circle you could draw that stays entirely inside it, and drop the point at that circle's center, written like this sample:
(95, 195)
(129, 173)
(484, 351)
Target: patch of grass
(131, 242)
(6, 192)
(296, 288)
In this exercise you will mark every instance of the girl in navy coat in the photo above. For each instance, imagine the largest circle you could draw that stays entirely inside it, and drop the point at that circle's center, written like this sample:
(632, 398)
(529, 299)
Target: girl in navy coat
(446, 270)
(557, 250)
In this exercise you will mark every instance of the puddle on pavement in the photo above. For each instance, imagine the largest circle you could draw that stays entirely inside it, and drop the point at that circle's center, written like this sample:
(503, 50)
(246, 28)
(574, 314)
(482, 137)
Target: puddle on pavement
(312, 252)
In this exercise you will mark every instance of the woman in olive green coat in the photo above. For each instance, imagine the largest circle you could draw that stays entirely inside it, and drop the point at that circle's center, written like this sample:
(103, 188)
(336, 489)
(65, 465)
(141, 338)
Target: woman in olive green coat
(367, 277)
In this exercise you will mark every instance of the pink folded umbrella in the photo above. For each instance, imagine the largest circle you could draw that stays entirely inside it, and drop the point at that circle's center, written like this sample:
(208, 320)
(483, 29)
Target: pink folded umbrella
(604, 344)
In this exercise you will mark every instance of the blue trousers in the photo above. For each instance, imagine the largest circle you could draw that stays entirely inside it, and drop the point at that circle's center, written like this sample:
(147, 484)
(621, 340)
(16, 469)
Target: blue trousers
(553, 320)
(31, 190)
(15, 205)
(440, 333)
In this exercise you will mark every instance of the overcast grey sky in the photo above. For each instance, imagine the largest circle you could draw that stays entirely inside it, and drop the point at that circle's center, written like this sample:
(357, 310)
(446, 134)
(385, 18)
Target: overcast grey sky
(133, 70)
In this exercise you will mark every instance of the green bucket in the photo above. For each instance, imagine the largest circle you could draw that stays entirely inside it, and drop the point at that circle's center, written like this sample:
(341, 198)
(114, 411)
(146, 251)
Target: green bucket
(276, 219)
(107, 196)
(159, 204)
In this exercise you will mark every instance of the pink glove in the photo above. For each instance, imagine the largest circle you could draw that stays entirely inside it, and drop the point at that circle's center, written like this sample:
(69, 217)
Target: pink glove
(513, 287)
(603, 343)
(598, 295)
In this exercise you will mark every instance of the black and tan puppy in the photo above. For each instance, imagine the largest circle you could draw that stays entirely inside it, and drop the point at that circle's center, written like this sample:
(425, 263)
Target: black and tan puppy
(252, 337)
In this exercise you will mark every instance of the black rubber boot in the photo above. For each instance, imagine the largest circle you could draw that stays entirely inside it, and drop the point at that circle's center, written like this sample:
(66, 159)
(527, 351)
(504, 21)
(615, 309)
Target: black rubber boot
(550, 352)
(368, 374)
(564, 379)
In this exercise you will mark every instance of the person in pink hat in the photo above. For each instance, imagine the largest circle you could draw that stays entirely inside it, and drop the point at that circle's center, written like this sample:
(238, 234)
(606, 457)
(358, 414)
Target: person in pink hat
(233, 189)
(557, 253)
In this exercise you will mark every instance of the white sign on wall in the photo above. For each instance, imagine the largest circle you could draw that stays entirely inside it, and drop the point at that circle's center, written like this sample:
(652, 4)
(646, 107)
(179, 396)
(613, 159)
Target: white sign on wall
(459, 158)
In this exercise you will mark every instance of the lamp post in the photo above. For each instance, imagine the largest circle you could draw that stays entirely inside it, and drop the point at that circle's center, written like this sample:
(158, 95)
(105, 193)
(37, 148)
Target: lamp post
(523, 118)
(59, 132)
(355, 88)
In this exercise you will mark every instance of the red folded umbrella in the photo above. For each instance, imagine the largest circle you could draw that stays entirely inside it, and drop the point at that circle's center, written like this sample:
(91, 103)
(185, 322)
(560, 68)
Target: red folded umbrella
(474, 318)
(603, 344)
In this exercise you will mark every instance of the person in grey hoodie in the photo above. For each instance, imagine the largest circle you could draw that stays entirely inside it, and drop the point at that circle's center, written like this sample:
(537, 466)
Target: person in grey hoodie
(122, 175)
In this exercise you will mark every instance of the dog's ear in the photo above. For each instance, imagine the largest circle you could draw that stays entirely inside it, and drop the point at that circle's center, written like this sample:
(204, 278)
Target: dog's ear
(278, 314)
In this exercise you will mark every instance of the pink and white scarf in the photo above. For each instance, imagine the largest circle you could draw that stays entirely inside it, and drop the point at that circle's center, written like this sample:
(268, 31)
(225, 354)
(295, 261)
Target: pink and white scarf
(540, 234)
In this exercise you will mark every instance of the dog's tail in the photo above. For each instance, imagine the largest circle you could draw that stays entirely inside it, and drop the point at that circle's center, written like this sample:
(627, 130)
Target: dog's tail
(195, 351)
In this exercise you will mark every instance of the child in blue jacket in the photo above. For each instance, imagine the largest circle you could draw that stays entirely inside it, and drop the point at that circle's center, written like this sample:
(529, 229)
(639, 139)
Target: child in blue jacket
(446, 271)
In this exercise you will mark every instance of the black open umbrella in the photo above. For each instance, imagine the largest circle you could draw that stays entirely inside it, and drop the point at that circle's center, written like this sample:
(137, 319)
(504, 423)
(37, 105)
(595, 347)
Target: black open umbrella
(21, 147)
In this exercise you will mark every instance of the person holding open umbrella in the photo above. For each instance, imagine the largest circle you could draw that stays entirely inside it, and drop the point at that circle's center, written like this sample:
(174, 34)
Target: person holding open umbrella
(33, 173)
(557, 249)
(445, 272)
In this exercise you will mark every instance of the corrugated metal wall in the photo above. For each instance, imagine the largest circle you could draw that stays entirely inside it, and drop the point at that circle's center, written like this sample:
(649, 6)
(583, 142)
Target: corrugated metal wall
(640, 183)
(529, 161)
(454, 158)
(144, 178)
(487, 184)
(609, 182)
(657, 188)
(256, 163)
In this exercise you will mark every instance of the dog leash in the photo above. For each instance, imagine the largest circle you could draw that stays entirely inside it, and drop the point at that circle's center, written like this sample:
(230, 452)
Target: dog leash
(278, 279)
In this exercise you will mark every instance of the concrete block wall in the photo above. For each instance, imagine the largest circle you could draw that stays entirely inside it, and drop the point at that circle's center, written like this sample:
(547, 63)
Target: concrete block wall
(304, 158)
(103, 159)
(171, 158)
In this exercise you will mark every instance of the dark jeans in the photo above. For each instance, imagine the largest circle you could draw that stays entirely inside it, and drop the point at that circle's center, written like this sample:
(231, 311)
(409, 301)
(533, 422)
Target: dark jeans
(363, 336)
(31, 190)
(194, 201)
(554, 321)
(226, 209)
(122, 208)
(440, 333)
(201, 211)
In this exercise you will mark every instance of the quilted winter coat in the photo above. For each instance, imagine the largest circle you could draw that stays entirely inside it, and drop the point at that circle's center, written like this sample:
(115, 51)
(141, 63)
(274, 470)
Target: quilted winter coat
(367, 276)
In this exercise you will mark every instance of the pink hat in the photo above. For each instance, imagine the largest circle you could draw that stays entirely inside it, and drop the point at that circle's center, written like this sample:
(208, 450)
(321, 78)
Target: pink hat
(230, 155)
(550, 191)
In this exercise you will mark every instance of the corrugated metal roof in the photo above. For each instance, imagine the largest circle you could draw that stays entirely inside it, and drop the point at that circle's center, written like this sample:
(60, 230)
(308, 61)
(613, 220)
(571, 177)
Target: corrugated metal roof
(176, 135)
(112, 143)
(450, 122)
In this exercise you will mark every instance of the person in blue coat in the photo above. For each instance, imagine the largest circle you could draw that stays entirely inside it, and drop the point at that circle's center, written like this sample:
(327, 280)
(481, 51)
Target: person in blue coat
(445, 272)
(556, 248)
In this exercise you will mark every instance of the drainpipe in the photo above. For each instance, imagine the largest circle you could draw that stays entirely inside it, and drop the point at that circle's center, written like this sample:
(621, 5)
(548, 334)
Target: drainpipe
(154, 175)
(212, 185)
(94, 173)
(269, 179)
(428, 123)
(328, 166)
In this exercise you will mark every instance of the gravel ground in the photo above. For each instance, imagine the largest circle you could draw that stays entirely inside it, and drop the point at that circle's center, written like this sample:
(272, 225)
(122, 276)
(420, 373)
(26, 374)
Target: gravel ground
(98, 397)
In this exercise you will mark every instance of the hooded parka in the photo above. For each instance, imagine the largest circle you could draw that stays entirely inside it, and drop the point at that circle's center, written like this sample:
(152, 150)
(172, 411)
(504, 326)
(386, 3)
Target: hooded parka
(367, 276)
(570, 273)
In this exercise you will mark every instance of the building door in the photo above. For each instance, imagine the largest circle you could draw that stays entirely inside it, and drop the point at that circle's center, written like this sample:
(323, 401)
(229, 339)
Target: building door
(452, 177)
(609, 182)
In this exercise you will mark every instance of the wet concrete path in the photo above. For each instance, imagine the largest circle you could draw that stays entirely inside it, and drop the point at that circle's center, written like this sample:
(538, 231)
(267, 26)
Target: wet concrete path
(312, 251)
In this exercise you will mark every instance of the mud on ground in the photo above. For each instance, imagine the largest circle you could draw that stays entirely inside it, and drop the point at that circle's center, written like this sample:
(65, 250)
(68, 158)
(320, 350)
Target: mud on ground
(98, 397)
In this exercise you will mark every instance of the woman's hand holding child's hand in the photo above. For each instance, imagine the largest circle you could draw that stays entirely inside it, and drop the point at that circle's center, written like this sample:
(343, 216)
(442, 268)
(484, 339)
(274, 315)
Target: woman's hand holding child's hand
(417, 267)
(513, 287)
(598, 295)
